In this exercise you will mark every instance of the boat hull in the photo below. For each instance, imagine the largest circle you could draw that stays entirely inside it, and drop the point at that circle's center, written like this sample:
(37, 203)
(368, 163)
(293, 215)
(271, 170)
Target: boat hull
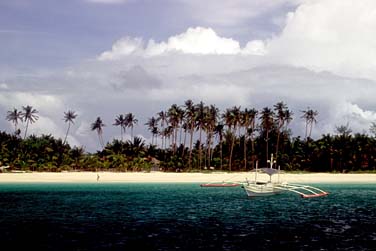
(258, 190)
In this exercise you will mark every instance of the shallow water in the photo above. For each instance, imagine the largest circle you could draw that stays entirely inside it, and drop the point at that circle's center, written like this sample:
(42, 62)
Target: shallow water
(183, 217)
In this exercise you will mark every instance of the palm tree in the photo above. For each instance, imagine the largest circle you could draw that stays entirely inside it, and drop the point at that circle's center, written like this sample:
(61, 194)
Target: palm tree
(232, 118)
(200, 120)
(310, 117)
(185, 128)
(210, 123)
(152, 127)
(120, 121)
(174, 119)
(247, 121)
(283, 117)
(288, 118)
(181, 115)
(190, 111)
(29, 116)
(14, 116)
(98, 126)
(167, 133)
(267, 124)
(218, 130)
(130, 121)
(251, 131)
(162, 117)
(69, 116)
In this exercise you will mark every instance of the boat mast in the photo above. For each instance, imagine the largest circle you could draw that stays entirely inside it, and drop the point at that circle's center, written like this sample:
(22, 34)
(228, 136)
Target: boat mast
(271, 161)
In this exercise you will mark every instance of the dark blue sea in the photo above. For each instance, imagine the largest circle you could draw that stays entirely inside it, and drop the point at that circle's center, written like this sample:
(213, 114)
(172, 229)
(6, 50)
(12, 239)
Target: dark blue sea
(183, 217)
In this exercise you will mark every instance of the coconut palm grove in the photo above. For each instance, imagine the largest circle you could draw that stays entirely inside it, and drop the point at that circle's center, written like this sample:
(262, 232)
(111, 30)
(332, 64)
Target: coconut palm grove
(192, 137)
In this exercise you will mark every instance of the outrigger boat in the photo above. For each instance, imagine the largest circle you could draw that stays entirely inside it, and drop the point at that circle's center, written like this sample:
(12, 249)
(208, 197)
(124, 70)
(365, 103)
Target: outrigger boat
(258, 187)
(223, 184)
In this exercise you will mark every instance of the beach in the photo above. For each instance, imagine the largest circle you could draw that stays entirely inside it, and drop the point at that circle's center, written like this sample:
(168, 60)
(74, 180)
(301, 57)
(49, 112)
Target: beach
(165, 177)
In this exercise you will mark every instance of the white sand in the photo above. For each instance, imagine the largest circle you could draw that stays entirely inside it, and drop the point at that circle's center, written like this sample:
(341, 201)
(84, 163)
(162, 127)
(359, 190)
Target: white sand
(130, 177)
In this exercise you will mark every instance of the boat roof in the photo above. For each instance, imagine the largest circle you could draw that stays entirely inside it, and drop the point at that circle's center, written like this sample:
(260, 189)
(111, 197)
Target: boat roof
(267, 170)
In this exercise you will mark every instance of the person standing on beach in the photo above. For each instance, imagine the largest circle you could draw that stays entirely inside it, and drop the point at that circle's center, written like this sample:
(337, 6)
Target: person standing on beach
(98, 177)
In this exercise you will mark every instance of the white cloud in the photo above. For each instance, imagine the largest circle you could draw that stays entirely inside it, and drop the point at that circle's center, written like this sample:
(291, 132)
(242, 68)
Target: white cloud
(4, 86)
(334, 35)
(255, 47)
(50, 112)
(123, 47)
(309, 63)
(347, 113)
(199, 40)
(49, 103)
(354, 113)
(194, 41)
(202, 41)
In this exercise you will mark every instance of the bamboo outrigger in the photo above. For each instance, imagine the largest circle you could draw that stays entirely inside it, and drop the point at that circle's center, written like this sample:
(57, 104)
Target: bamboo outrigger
(256, 187)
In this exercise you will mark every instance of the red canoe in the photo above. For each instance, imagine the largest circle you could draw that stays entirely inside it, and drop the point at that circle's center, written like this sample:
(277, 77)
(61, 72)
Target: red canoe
(220, 185)
(314, 195)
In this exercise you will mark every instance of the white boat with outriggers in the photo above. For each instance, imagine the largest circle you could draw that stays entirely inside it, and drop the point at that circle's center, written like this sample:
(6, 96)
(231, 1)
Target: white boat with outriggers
(259, 187)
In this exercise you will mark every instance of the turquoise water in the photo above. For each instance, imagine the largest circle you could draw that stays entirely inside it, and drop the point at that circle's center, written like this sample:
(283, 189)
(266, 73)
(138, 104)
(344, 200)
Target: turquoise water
(183, 217)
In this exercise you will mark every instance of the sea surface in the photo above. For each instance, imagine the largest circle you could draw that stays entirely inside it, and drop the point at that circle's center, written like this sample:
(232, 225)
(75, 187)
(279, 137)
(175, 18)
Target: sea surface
(113, 216)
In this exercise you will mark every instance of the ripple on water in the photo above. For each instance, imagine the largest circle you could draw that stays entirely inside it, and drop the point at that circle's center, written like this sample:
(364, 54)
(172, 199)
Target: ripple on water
(183, 217)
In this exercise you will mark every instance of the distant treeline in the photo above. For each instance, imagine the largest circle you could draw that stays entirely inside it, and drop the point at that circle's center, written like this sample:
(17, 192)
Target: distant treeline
(194, 137)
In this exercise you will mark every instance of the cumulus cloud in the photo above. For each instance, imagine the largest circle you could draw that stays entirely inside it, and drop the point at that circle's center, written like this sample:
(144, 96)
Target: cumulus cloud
(255, 47)
(197, 40)
(123, 47)
(323, 58)
(202, 41)
(335, 35)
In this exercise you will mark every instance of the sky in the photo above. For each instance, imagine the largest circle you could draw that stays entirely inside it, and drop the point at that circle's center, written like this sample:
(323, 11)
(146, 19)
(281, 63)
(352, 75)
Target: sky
(109, 57)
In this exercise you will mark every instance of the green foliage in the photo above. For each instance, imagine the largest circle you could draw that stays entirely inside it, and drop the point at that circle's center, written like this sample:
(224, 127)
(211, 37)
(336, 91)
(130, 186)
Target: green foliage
(234, 143)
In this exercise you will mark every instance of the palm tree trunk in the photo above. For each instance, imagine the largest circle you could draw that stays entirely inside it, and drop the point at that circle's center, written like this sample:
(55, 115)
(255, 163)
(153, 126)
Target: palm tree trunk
(180, 133)
(245, 152)
(232, 147)
(185, 139)
(199, 150)
(310, 129)
(66, 135)
(190, 147)
(277, 146)
(209, 147)
(221, 153)
(27, 125)
(267, 144)
(175, 141)
(253, 152)
(100, 140)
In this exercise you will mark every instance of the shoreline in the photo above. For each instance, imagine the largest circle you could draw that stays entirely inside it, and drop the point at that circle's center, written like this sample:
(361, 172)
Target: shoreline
(162, 177)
